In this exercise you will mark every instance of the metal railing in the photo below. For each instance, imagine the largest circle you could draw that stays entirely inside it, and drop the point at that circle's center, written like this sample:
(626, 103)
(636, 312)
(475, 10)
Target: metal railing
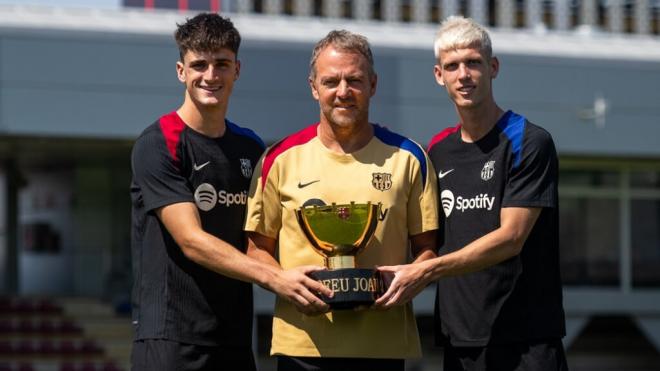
(616, 16)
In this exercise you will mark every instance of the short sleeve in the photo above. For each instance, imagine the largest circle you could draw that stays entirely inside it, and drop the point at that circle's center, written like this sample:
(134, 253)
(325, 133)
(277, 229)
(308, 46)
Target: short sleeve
(423, 200)
(533, 181)
(264, 210)
(159, 180)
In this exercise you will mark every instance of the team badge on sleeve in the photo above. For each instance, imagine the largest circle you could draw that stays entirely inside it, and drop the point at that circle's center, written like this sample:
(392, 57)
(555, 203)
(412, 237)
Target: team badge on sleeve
(382, 181)
(488, 170)
(246, 167)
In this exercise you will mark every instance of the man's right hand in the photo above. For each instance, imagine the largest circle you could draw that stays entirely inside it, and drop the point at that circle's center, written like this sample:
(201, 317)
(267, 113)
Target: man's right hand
(295, 286)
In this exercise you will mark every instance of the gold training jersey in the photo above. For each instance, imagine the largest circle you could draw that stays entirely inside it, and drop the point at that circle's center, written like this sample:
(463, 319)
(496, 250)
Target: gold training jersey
(300, 170)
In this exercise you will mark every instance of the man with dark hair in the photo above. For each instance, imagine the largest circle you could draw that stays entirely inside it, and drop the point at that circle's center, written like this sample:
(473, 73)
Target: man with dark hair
(206, 33)
(343, 158)
(192, 300)
(499, 298)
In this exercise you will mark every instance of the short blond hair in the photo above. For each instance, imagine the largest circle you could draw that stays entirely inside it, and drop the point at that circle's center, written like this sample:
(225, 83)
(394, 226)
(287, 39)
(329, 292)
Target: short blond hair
(458, 32)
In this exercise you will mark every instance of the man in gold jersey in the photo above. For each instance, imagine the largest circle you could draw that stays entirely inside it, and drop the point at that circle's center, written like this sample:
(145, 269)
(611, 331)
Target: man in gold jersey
(340, 159)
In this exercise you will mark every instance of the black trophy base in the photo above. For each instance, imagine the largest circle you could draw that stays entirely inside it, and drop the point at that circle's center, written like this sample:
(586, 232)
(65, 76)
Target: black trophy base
(353, 287)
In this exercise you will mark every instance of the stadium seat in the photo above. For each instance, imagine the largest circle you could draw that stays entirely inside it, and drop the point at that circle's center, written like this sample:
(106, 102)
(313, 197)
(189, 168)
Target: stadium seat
(26, 326)
(25, 347)
(47, 306)
(90, 347)
(46, 347)
(5, 305)
(25, 366)
(6, 347)
(66, 348)
(6, 326)
(67, 326)
(110, 366)
(24, 306)
(67, 366)
(46, 327)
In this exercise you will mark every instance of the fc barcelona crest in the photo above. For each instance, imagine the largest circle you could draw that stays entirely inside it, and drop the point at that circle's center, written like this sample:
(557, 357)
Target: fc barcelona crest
(382, 181)
(246, 167)
(488, 170)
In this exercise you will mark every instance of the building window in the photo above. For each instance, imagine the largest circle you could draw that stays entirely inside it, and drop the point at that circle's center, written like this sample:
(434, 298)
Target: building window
(609, 223)
(589, 241)
(645, 228)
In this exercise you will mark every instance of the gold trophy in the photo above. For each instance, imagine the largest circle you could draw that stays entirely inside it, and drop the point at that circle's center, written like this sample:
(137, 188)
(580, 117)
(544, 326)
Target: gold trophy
(339, 233)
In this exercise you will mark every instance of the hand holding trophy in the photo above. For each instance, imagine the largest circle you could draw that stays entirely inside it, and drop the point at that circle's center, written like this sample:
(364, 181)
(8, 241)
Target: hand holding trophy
(339, 233)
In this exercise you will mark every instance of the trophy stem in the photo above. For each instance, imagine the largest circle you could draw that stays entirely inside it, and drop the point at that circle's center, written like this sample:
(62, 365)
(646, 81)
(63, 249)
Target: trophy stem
(340, 262)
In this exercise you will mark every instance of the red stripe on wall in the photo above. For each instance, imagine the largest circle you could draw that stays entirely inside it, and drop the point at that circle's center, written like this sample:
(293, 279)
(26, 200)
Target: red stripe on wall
(149, 4)
(183, 5)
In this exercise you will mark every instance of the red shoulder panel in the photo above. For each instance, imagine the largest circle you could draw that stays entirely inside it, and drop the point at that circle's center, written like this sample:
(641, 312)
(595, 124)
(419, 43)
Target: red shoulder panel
(171, 125)
(442, 135)
(296, 139)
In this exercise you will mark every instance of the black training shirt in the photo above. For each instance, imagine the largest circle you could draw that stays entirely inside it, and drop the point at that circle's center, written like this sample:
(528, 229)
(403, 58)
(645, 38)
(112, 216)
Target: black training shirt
(520, 299)
(173, 297)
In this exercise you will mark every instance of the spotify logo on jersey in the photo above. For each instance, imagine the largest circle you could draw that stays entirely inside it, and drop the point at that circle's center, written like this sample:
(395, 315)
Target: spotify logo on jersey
(206, 197)
(463, 204)
(447, 200)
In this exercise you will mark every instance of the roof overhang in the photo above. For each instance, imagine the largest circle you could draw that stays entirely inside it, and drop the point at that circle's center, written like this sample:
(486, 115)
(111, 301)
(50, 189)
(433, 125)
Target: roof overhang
(583, 42)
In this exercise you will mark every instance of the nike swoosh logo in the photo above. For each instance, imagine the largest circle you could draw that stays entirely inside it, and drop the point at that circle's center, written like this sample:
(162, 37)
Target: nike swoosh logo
(442, 175)
(303, 185)
(199, 167)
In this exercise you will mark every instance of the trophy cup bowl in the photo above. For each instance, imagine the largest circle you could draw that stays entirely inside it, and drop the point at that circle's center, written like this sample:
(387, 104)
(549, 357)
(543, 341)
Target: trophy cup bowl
(339, 233)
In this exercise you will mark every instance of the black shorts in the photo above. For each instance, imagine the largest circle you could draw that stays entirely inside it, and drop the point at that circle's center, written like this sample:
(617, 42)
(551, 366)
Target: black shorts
(537, 356)
(166, 355)
(286, 363)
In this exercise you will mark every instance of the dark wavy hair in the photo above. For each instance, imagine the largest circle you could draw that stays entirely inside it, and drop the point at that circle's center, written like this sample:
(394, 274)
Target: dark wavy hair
(206, 32)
